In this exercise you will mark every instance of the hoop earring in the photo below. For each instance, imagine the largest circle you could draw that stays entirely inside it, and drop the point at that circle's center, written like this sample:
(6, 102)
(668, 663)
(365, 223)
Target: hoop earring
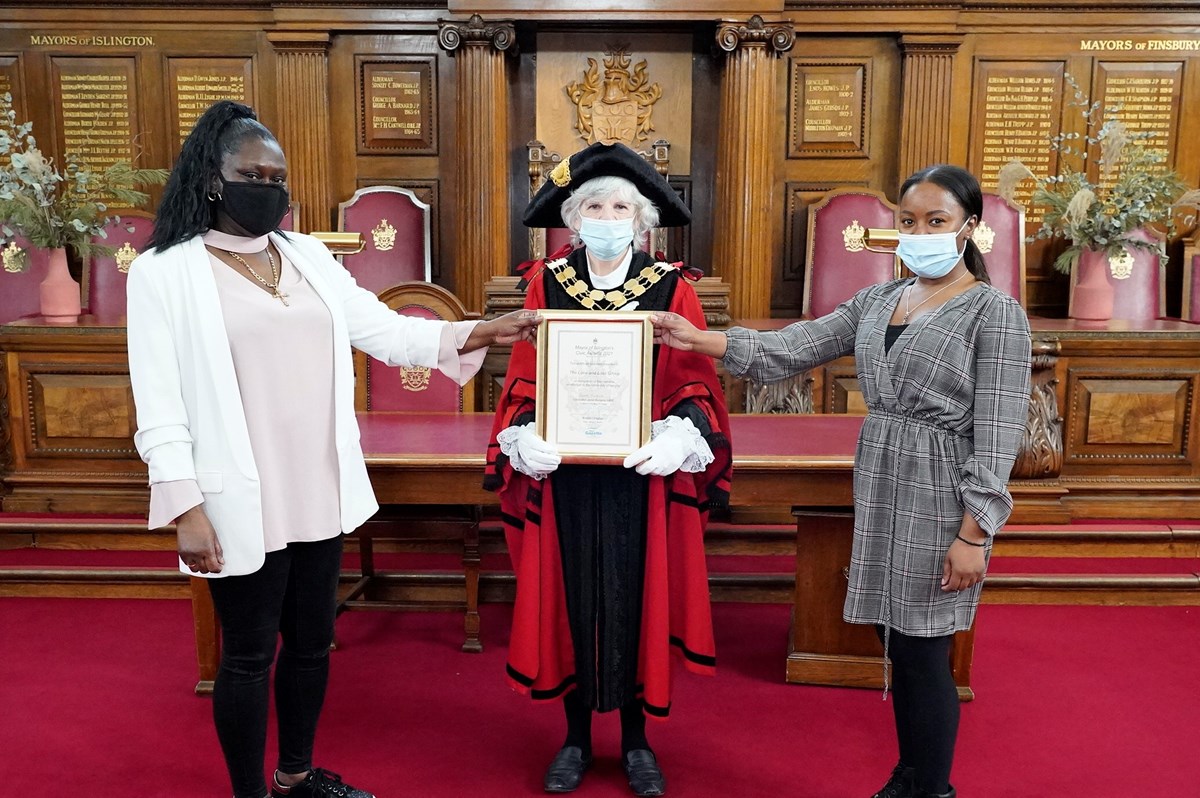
(216, 198)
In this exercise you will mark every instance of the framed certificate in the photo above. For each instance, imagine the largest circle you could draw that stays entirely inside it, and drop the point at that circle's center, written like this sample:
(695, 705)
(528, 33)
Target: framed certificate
(593, 383)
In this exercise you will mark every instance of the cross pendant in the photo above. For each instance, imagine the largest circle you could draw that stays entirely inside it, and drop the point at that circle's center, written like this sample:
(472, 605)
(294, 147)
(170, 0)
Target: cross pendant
(282, 297)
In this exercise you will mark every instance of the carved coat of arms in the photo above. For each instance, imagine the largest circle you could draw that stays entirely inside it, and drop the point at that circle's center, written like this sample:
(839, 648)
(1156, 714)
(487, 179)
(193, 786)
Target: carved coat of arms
(617, 106)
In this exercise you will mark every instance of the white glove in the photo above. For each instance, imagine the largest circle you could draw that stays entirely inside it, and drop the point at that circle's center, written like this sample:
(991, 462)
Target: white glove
(527, 452)
(675, 444)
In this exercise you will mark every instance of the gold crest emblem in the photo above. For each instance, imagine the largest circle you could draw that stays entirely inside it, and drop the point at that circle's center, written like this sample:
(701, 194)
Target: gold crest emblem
(984, 237)
(853, 237)
(414, 378)
(15, 258)
(124, 257)
(1121, 265)
(384, 236)
(617, 106)
(561, 175)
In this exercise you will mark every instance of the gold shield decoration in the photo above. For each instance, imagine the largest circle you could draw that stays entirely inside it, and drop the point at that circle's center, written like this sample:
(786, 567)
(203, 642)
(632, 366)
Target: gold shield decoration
(617, 106)
(1121, 265)
(984, 237)
(15, 259)
(383, 235)
(124, 257)
(414, 378)
(852, 236)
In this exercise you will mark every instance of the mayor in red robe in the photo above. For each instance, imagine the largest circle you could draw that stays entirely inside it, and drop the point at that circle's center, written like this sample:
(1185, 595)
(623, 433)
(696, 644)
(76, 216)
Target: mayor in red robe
(609, 560)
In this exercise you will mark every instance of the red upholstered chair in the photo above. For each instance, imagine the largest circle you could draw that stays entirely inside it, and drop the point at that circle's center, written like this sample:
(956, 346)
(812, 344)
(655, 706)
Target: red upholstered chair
(380, 387)
(104, 277)
(838, 264)
(428, 529)
(24, 268)
(1190, 309)
(289, 219)
(1138, 279)
(394, 225)
(1000, 236)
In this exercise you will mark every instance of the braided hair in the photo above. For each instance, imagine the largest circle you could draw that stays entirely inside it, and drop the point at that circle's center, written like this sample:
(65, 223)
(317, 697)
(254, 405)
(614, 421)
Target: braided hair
(965, 189)
(186, 209)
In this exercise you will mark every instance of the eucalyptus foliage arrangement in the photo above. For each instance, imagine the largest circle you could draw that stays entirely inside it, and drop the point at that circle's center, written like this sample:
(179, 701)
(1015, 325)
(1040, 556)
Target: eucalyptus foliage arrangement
(1135, 187)
(56, 208)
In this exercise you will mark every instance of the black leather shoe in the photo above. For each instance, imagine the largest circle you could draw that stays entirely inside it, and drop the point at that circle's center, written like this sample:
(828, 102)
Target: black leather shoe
(319, 784)
(900, 785)
(566, 770)
(950, 793)
(645, 776)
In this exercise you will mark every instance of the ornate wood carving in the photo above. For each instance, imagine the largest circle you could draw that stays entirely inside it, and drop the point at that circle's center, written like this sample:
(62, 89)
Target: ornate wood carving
(302, 84)
(481, 112)
(928, 74)
(1041, 454)
(793, 395)
(744, 250)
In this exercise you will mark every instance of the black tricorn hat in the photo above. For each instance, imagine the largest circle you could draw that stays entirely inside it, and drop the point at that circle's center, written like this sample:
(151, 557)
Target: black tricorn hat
(604, 160)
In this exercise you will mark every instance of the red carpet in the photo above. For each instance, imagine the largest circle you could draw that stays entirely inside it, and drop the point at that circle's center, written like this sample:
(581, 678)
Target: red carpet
(1072, 701)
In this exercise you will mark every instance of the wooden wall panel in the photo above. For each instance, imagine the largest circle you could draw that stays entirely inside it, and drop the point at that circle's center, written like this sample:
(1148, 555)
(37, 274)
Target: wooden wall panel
(145, 62)
(1155, 74)
(809, 170)
(896, 46)
(419, 168)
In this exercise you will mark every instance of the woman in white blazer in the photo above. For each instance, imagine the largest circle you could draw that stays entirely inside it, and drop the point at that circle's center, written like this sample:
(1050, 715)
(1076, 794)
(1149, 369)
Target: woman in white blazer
(240, 356)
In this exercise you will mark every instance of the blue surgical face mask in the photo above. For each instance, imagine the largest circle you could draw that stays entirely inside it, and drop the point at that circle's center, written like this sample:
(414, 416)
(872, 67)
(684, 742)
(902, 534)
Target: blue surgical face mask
(932, 255)
(604, 238)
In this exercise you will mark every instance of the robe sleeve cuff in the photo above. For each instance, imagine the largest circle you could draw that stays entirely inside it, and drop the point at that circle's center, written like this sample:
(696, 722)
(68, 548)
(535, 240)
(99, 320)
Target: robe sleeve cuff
(739, 351)
(985, 497)
(459, 366)
(169, 500)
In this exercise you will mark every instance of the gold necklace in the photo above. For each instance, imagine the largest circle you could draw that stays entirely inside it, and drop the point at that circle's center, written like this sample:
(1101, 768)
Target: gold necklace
(273, 286)
(908, 297)
(595, 299)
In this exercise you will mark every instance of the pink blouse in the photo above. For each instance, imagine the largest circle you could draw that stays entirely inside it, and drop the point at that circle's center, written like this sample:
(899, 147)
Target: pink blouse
(283, 359)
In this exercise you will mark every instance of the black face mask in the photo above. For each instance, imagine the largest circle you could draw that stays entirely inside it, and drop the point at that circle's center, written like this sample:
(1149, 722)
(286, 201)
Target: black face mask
(257, 207)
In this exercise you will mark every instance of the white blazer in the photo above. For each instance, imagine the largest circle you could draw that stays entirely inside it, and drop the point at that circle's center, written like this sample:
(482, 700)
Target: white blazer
(190, 419)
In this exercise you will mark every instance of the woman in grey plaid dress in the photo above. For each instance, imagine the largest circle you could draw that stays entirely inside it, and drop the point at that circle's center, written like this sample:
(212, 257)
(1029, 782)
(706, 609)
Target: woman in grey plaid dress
(943, 360)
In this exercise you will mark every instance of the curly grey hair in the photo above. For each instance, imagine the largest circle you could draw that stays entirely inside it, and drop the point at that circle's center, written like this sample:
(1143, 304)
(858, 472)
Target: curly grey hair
(645, 214)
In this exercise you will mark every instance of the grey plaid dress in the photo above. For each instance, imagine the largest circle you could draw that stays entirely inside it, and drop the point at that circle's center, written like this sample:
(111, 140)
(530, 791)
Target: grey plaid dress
(946, 414)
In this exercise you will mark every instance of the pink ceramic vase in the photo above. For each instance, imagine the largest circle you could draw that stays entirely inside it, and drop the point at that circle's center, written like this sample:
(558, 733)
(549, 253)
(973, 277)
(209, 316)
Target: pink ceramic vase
(59, 291)
(1092, 295)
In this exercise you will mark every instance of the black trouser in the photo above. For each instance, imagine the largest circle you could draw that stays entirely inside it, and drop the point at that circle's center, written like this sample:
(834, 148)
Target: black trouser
(925, 703)
(293, 595)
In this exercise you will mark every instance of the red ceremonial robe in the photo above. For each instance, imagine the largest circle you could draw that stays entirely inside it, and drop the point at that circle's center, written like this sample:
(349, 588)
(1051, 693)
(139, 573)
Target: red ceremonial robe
(675, 611)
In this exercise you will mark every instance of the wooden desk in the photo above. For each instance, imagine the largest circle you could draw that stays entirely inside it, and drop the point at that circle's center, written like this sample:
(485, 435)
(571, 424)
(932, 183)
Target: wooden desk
(438, 458)
(1113, 422)
(1112, 433)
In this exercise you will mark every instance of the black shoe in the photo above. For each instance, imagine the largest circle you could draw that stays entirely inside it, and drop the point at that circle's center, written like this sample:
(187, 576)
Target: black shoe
(949, 793)
(566, 770)
(900, 785)
(645, 776)
(319, 784)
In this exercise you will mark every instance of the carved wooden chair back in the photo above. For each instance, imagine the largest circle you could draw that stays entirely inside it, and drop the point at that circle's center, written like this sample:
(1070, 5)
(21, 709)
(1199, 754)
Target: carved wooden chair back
(380, 387)
(24, 268)
(1000, 236)
(395, 226)
(1138, 280)
(838, 264)
(104, 276)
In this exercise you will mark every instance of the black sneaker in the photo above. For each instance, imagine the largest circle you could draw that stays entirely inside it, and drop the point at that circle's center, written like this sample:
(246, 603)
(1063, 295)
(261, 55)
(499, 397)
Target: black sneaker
(900, 785)
(319, 784)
